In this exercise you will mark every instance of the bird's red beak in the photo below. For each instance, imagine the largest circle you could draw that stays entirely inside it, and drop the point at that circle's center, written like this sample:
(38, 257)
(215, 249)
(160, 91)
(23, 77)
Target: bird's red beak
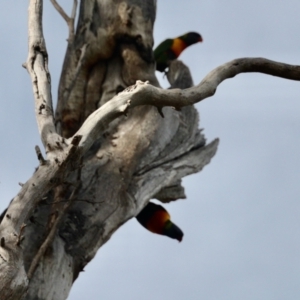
(200, 39)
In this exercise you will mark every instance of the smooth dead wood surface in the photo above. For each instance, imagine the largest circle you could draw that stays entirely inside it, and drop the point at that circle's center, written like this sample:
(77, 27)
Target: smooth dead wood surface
(37, 67)
(107, 129)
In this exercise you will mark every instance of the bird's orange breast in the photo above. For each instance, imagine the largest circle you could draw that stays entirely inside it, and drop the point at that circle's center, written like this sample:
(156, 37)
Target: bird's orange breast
(157, 221)
(178, 46)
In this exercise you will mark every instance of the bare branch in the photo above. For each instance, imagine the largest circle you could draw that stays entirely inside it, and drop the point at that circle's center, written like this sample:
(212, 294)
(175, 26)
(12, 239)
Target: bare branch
(37, 67)
(145, 94)
(69, 20)
(60, 11)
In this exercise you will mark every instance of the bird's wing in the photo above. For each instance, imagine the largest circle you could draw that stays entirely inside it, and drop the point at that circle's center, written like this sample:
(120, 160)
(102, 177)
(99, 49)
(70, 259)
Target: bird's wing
(162, 48)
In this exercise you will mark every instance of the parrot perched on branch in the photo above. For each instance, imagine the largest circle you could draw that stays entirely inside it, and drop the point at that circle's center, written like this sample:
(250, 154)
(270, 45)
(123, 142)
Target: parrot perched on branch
(157, 220)
(170, 49)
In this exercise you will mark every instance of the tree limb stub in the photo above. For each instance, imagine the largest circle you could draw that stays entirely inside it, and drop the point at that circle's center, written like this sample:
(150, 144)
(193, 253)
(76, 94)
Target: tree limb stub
(145, 94)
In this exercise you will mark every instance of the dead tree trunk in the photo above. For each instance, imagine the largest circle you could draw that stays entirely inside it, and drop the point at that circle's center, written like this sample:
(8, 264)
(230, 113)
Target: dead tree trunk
(108, 149)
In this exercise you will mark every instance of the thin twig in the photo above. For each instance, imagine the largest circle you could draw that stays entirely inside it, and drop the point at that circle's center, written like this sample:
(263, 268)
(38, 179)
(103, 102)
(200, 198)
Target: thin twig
(69, 20)
(61, 11)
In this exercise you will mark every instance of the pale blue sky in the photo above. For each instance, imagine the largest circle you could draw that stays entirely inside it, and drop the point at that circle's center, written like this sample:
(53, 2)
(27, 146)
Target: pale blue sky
(241, 217)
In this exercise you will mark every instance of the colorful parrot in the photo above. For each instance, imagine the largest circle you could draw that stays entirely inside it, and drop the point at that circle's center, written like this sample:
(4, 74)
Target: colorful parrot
(157, 220)
(170, 49)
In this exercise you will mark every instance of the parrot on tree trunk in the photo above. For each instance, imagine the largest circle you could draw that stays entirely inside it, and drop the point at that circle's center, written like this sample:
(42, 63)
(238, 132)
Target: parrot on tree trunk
(157, 220)
(170, 49)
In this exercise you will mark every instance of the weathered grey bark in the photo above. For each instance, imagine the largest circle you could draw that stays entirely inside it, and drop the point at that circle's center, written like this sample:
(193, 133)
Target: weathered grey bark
(108, 152)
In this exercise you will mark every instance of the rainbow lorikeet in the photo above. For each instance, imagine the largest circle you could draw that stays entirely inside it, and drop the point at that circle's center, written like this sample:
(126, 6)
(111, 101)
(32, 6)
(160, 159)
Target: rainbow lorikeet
(157, 220)
(170, 49)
